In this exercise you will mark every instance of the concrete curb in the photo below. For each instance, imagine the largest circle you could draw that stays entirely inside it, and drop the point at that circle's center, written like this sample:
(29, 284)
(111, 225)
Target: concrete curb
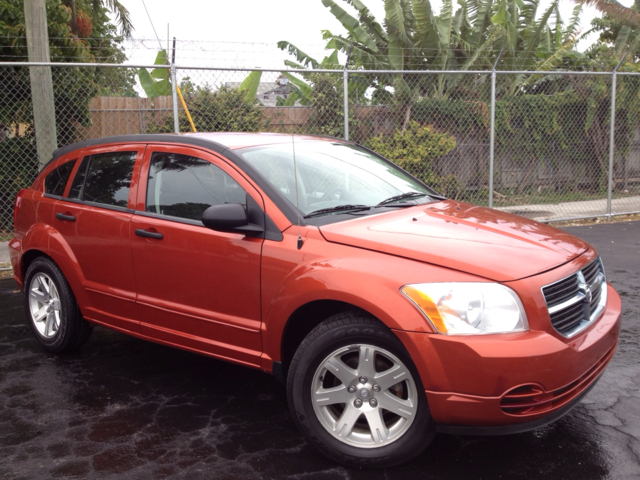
(4, 255)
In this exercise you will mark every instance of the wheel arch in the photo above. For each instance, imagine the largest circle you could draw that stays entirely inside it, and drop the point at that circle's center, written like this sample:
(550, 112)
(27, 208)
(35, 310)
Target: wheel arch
(59, 252)
(27, 259)
(304, 319)
(320, 290)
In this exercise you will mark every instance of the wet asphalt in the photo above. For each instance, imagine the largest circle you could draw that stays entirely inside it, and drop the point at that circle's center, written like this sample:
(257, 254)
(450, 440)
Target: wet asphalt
(123, 408)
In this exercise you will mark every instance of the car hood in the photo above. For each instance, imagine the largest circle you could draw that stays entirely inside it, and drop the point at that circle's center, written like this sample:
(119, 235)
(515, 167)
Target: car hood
(492, 244)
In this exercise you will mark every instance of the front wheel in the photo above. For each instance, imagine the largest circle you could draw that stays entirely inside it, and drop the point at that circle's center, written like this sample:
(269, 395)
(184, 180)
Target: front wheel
(356, 395)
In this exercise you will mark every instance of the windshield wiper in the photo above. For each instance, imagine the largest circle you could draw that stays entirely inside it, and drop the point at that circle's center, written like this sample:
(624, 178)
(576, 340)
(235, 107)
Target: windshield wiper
(338, 208)
(402, 196)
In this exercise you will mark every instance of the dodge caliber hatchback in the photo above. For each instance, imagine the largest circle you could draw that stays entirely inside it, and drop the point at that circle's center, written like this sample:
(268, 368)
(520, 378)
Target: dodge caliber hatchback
(390, 312)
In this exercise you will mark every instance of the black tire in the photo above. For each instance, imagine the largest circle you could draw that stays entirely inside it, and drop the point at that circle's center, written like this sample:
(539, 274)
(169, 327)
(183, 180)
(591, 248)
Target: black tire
(345, 334)
(67, 330)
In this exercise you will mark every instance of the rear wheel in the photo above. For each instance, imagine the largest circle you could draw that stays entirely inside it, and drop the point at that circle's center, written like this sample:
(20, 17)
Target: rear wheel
(356, 395)
(51, 308)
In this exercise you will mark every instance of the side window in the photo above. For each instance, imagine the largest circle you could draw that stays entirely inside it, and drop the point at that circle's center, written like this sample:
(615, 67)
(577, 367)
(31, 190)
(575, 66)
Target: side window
(57, 179)
(184, 186)
(106, 178)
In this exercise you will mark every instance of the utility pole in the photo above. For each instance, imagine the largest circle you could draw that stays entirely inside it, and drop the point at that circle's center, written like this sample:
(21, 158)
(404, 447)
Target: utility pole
(35, 19)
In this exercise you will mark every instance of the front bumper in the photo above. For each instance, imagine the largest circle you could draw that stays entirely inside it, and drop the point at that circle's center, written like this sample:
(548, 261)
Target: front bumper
(514, 382)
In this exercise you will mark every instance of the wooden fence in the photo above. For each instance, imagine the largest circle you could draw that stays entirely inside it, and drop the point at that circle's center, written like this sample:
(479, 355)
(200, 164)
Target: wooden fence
(468, 162)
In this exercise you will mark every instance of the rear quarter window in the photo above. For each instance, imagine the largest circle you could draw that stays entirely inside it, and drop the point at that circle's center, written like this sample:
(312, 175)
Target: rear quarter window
(105, 178)
(57, 179)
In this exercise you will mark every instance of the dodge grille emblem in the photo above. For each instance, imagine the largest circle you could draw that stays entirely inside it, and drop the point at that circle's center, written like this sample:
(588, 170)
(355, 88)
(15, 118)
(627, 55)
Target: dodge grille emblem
(586, 289)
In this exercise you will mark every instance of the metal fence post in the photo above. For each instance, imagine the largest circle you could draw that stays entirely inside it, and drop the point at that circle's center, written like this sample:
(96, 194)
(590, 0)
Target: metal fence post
(612, 145)
(612, 139)
(174, 94)
(345, 83)
(492, 134)
(174, 89)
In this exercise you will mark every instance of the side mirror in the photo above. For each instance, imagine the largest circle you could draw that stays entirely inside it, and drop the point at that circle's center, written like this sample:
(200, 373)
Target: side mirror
(230, 217)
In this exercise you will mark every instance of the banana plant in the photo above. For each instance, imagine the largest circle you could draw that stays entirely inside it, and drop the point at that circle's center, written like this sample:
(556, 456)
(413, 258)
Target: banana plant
(157, 82)
(463, 37)
(249, 85)
(302, 88)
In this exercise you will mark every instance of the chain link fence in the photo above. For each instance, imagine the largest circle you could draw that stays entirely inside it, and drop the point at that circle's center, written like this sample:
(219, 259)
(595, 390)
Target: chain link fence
(545, 145)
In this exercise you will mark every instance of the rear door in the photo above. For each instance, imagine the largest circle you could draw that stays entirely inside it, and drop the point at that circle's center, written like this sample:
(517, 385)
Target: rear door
(197, 288)
(94, 220)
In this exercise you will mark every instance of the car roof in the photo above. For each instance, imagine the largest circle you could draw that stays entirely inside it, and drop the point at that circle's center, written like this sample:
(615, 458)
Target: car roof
(236, 140)
(216, 141)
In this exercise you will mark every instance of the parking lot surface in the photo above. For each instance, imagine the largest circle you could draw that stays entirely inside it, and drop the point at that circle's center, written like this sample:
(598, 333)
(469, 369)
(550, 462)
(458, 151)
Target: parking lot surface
(129, 409)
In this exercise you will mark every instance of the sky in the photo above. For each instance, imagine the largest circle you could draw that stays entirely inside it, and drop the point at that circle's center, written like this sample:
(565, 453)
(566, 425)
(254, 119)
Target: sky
(244, 33)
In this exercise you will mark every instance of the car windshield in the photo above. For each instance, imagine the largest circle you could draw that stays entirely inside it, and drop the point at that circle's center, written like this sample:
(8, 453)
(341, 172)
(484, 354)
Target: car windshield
(330, 175)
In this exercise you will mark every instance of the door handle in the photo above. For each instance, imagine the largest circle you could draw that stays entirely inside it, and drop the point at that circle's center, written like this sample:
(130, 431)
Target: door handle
(62, 216)
(141, 232)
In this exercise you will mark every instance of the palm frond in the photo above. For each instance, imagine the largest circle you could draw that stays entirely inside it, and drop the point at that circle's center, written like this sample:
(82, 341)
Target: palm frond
(122, 14)
(549, 64)
(615, 10)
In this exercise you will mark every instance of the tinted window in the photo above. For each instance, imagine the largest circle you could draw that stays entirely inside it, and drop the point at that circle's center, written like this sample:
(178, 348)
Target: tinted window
(184, 186)
(56, 180)
(107, 178)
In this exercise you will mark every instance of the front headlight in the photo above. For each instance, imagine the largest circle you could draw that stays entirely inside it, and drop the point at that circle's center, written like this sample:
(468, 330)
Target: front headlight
(469, 308)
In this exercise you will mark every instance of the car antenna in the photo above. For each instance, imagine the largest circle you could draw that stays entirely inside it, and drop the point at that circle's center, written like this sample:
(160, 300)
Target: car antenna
(295, 176)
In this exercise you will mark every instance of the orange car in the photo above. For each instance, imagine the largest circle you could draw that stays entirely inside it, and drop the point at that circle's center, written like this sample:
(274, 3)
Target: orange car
(390, 312)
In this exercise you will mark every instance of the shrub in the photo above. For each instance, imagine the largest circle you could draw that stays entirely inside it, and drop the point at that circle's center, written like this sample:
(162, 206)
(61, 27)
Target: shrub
(225, 110)
(415, 149)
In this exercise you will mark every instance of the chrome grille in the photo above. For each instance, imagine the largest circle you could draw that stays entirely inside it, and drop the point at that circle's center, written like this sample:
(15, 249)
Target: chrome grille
(591, 271)
(577, 300)
(558, 292)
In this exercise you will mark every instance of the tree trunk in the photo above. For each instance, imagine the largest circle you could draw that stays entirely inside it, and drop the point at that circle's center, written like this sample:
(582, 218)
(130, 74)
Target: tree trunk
(407, 118)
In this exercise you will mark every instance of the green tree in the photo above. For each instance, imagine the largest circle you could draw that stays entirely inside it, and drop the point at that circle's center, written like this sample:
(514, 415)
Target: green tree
(79, 31)
(83, 9)
(73, 87)
(618, 46)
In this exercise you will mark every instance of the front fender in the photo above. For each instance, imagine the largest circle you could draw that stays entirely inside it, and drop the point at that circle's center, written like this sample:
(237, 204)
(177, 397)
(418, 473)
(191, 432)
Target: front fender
(322, 270)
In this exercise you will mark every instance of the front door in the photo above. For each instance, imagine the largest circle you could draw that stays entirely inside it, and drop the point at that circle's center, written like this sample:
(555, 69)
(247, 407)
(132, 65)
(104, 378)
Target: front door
(196, 288)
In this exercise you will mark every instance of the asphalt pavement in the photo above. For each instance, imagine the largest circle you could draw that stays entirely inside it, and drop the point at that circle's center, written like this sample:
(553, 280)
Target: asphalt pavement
(122, 408)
